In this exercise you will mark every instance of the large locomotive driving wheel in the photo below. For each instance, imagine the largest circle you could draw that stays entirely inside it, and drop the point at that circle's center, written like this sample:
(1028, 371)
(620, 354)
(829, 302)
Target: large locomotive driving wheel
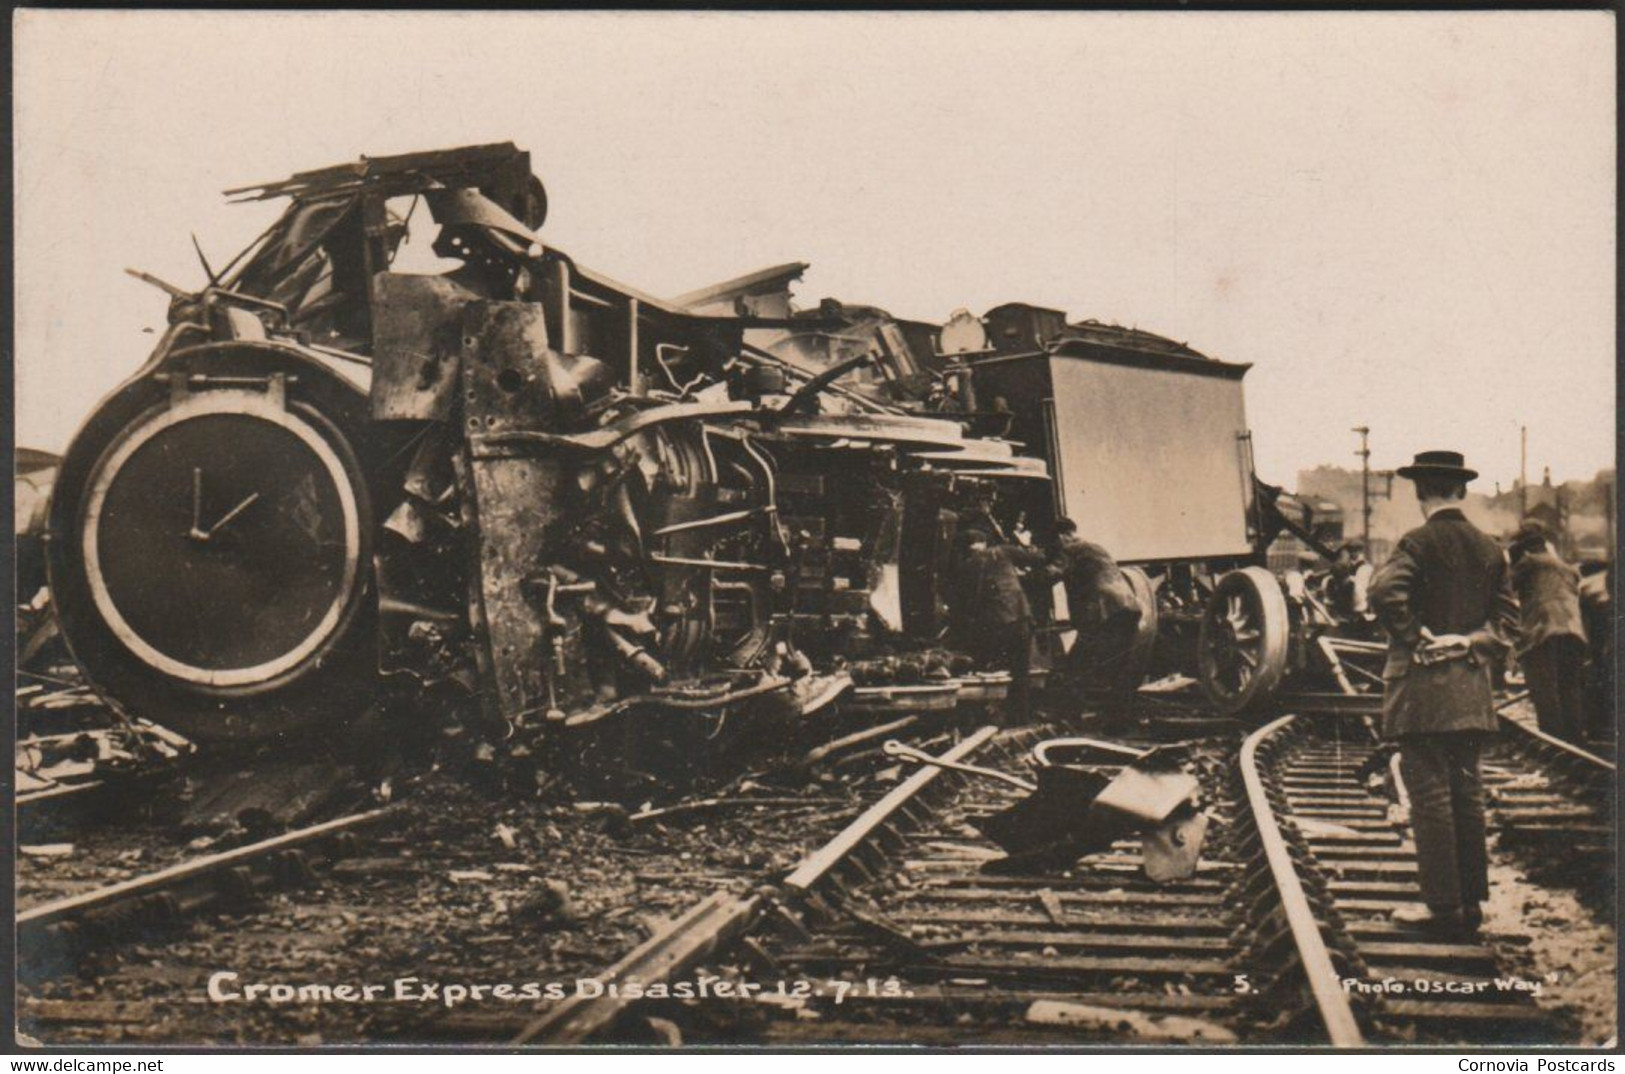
(213, 572)
(1242, 648)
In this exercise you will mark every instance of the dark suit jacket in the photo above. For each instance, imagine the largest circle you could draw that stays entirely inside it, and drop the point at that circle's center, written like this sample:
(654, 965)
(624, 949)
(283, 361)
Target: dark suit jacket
(1548, 599)
(989, 589)
(1096, 591)
(1450, 578)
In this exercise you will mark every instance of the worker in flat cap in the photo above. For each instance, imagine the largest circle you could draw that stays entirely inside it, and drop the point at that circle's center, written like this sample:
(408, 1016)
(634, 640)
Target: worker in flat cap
(992, 618)
(1445, 598)
(1552, 641)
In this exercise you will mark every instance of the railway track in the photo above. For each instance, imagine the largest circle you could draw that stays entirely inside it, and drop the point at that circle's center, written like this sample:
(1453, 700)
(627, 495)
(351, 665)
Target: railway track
(892, 932)
(1553, 803)
(53, 935)
(1357, 867)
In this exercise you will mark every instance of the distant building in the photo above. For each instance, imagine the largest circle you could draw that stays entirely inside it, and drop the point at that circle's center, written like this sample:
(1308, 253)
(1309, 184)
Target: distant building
(1577, 512)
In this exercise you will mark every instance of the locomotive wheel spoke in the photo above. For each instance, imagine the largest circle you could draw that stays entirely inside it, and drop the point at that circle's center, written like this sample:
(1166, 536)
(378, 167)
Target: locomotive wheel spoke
(1243, 639)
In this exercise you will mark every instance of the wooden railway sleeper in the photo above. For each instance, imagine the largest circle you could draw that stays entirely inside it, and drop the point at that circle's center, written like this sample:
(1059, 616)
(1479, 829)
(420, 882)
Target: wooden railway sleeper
(1262, 903)
(293, 867)
(1272, 941)
(159, 908)
(235, 885)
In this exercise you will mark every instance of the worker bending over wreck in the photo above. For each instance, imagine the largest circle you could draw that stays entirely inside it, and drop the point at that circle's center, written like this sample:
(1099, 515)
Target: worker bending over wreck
(1100, 603)
(1445, 598)
(992, 619)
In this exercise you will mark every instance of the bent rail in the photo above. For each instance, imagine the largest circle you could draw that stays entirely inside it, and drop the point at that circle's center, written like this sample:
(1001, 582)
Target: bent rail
(716, 922)
(1555, 747)
(1331, 1002)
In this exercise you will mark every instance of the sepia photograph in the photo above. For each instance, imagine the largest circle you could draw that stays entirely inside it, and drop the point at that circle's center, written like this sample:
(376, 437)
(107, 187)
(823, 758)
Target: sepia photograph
(814, 530)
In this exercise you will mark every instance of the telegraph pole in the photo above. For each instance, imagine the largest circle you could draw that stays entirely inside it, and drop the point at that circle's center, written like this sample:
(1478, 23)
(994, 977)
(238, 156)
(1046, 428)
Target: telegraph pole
(1365, 482)
(1608, 501)
(1523, 472)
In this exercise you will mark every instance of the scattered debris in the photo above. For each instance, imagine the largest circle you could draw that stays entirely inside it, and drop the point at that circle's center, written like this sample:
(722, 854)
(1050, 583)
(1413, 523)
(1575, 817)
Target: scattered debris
(1075, 809)
(743, 801)
(548, 905)
(1049, 1012)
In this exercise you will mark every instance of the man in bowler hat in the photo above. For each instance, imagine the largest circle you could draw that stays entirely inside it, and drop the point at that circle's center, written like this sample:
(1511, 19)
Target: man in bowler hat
(1445, 598)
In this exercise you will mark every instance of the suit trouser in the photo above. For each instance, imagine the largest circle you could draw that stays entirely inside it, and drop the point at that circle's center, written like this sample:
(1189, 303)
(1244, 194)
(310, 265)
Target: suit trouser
(1555, 671)
(1100, 649)
(1010, 646)
(1441, 773)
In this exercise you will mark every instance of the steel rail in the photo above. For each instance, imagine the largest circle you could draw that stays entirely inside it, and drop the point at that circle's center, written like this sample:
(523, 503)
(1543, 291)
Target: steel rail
(188, 872)
(676, 949)
(823, 861)
(1540, 740)
(717, 921)
(1331, 1002)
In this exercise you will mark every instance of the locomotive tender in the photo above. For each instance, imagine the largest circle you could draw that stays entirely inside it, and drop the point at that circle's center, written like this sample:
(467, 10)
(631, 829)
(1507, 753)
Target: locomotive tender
(520, 486)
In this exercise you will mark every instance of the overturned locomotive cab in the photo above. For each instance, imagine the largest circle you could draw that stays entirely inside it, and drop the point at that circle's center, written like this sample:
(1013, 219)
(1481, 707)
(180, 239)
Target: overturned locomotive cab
(513, 484)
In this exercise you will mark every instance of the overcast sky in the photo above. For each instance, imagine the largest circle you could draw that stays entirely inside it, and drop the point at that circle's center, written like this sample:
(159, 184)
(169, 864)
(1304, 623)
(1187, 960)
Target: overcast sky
(1404, 221)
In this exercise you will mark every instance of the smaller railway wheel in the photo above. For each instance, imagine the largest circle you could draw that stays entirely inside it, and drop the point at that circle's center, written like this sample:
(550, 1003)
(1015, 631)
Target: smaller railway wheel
(1242, 647)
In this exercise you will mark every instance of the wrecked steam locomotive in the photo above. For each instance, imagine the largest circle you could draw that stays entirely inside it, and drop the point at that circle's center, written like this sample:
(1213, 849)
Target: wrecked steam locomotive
(518, 485)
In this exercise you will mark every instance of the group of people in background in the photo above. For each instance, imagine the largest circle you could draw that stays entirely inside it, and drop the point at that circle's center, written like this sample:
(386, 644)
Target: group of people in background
(1560, 637)
(1563, 637)
(1453, 605)
(1562, 632)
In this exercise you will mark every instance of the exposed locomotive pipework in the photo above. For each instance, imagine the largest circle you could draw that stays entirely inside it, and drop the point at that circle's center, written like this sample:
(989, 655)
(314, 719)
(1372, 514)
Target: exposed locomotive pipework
(525, 493)
(516, 487)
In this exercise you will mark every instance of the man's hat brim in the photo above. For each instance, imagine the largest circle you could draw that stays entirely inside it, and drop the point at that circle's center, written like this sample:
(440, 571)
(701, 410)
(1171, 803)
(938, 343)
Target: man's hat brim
(1457, 473)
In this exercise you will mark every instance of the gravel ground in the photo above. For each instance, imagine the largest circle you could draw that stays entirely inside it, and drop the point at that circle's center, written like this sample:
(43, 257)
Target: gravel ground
(1546, 933)
(466, 888)
(1550, 936)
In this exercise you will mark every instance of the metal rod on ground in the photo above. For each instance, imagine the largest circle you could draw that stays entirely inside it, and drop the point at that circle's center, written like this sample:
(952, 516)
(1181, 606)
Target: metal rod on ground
(75, 905)
(893, 748)
(716, 803)
(817, 866)
(856, 738)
